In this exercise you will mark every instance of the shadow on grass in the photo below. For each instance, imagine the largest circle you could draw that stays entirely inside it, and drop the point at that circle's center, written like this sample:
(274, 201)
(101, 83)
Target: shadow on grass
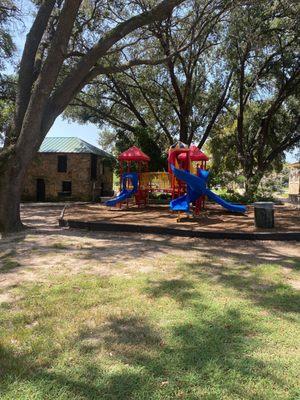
(130, 330)
(245, 255)
(92, 384)
(139, 246)
(7, 265)
(273, 296)
(178, 289)
(206, 353)
(95, 383)
(136, 247)
(212, 355)
(209, 353)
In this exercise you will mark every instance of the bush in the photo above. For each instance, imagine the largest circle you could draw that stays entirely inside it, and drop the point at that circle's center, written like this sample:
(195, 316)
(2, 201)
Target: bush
(241, 199)
(158, 197)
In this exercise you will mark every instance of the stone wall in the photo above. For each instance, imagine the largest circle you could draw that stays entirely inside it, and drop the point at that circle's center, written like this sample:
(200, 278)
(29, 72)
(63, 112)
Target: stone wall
(294, 181)
(78, 172)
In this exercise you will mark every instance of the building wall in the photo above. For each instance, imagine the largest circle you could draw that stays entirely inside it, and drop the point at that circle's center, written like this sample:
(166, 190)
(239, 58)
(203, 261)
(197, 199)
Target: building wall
(78, 172)
(294, 183)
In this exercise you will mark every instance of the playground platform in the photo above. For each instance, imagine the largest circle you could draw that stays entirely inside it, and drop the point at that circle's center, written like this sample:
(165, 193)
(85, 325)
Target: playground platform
(213, 222)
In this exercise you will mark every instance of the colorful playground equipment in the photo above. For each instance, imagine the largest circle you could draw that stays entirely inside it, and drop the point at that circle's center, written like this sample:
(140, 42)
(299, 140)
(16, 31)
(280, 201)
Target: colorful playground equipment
(130, 181)
(126, 193)
(189, 159)
(185, 181)
(196, 187)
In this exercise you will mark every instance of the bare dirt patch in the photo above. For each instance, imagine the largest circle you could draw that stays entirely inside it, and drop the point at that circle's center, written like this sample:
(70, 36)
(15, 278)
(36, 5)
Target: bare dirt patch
(214, 218)
(45, 250)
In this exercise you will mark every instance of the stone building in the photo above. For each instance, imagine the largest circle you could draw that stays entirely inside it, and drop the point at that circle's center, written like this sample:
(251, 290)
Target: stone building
(294, 183)
(68, 168)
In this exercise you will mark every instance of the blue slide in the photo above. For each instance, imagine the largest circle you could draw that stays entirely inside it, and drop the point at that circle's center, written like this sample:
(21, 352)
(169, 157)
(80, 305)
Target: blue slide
(196, 187)
(125, 193)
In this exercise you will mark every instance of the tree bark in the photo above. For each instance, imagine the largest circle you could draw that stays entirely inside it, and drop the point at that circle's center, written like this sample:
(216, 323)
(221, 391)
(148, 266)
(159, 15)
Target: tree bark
(10, 196)
(183, 129)
(14, 162)
(26, 71)
(251, 185)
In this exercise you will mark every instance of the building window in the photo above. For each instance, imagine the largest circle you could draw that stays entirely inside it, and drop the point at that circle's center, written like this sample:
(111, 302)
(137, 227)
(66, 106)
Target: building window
(93, 167)
(67, 188)
(62, 163)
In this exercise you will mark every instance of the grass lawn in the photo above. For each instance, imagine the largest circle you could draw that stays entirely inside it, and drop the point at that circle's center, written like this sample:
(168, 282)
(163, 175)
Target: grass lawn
(189, 325)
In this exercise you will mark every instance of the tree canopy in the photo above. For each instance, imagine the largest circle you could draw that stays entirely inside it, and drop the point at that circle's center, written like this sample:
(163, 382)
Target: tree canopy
(265, 100)
(238, 77)
(181, 97)
(8, 12)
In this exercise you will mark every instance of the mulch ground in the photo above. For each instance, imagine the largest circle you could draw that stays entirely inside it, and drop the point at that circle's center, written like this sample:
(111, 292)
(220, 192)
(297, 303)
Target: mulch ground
(213, 218)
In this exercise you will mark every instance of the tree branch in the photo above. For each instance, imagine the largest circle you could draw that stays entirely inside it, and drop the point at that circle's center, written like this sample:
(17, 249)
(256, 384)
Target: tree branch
(26, 70)
(77, 78)
(222, 101)
(287, 89)
(104, 115)
(48, 76)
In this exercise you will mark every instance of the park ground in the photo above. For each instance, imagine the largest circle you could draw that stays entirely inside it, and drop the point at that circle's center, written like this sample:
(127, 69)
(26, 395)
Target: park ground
(88, 315)
(213, 218)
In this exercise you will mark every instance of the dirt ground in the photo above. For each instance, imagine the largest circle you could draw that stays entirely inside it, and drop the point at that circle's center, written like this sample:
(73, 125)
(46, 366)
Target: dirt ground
(214, 218)
(45, 250)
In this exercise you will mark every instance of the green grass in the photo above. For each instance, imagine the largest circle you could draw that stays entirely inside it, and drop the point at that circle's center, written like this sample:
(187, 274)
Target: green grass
(8, 264)
(199, 330)
(236, 197)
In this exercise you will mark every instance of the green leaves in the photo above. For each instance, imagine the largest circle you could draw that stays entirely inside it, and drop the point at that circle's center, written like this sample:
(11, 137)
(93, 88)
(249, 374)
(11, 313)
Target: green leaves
(8, 12)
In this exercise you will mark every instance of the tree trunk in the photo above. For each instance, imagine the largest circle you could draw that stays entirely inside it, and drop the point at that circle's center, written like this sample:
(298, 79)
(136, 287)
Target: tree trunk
(183, 136)
(251, 185)
(11, 183)
(14, 162)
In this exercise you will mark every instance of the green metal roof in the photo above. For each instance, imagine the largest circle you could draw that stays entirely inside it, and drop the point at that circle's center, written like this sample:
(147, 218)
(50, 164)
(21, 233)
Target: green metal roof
(70, 145)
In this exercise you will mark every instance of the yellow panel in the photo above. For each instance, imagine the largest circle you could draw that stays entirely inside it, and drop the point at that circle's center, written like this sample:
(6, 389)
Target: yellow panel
(155, 180)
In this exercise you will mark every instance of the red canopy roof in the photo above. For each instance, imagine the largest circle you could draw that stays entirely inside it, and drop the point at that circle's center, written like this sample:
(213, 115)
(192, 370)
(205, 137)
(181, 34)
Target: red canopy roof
(195, 154)
(133, 154)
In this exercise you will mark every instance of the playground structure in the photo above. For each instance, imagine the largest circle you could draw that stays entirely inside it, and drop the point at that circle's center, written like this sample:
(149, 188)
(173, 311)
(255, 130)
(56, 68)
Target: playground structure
(136, 165)
(185, 181)
(189, 159)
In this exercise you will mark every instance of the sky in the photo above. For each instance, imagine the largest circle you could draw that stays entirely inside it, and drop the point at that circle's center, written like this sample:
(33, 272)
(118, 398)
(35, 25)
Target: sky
(88, 132)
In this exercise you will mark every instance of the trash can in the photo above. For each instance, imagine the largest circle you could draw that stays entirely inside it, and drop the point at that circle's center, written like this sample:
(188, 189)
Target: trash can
(264, 214)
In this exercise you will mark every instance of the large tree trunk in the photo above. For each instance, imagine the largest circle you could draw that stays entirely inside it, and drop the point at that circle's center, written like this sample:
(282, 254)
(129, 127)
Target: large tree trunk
(11, 184)
(14, 162)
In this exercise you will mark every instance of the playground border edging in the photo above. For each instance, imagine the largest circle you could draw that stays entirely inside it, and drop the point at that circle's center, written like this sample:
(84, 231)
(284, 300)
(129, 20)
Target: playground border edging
(115, 227)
